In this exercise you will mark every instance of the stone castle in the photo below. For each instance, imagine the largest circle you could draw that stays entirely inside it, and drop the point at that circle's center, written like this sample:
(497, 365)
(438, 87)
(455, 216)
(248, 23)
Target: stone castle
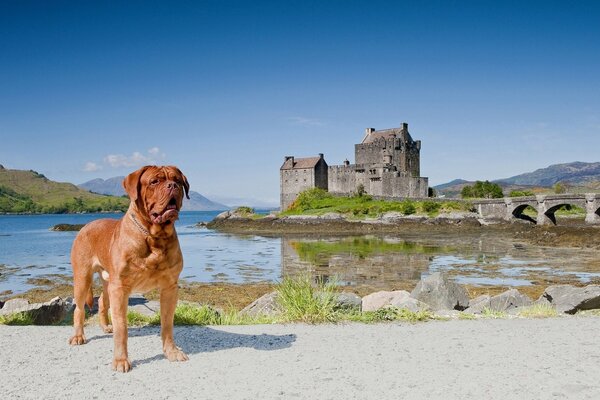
(387, 166)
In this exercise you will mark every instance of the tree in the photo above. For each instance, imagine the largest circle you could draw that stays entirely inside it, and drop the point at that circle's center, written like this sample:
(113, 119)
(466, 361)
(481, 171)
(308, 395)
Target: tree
(486, 190)
(559, 188)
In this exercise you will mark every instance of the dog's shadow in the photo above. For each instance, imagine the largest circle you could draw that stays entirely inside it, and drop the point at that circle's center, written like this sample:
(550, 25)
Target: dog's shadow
(203, 339)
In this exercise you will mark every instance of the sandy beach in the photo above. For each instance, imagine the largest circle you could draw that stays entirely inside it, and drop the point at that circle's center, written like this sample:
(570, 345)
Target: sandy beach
(491, 359)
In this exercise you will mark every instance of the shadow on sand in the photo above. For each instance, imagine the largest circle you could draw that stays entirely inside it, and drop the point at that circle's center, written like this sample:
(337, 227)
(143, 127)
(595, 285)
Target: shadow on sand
(202, 339)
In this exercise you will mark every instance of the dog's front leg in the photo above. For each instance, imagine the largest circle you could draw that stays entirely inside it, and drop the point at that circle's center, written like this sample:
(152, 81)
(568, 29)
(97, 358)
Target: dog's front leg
(168, 302)
(119, 298)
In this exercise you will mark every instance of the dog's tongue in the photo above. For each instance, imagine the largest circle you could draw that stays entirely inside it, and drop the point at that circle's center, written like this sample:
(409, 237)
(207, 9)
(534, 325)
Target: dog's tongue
(169, 214)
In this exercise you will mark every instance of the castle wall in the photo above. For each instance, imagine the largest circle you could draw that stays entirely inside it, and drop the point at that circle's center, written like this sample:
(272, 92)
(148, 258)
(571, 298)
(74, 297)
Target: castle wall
(294, 181)
(342, 179)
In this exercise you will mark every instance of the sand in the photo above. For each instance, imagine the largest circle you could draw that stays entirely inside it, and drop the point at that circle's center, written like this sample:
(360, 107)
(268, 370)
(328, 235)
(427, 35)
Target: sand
(482, 359)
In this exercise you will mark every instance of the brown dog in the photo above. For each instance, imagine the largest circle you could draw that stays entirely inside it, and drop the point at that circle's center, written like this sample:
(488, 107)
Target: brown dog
(138, 252)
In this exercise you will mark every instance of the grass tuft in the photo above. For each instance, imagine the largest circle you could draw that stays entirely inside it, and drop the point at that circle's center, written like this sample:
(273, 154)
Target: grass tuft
(390, 314)
(302, 301)
(16, 319)
(493, 314)
(538, 311)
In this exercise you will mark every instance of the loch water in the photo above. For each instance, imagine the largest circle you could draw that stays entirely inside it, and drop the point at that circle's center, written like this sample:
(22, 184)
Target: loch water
(28, 249)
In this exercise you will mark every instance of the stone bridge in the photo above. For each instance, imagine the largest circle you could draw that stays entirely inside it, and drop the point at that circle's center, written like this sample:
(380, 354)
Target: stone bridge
(510, 208)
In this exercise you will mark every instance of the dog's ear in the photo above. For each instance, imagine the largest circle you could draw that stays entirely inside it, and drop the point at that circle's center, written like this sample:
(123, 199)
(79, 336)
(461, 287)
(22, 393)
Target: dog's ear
(131, 183)
(186, 184)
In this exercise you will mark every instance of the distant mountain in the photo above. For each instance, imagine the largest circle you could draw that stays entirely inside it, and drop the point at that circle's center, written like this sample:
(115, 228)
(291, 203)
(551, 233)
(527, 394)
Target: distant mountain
(197, 202)
(575, 173)
(450, 184)
(31, 192)
(114, 186)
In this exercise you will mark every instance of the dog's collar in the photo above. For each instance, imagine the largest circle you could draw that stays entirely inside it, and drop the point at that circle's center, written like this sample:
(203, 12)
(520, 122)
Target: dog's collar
(139, 226)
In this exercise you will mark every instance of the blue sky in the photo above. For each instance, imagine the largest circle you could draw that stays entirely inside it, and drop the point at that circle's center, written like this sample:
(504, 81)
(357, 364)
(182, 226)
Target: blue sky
(226, 89)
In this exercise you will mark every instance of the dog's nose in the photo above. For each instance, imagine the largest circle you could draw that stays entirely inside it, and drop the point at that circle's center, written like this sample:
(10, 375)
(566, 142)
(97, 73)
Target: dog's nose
(172, 185)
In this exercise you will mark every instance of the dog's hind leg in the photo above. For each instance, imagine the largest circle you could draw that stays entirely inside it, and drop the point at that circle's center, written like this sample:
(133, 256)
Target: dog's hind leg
(103, 305)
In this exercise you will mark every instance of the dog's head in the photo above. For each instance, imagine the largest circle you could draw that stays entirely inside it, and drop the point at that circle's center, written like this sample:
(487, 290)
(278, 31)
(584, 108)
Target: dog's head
(157, 192)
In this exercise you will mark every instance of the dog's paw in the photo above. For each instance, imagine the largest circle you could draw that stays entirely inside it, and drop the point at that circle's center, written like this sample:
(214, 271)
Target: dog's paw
(107, 328)
(121, 365)
(77, 340)
(176, 355)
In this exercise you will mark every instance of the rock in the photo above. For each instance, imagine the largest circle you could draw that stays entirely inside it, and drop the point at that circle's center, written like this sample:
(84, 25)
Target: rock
(396, 298)
(332, 216)
(440, 293)
(381, 299)
(348, 301)
(48, 313)
(14, 304)
(200, 225)
(504, 302)
(224, 215)
(265, 305)
(67, 227)
(570, 299)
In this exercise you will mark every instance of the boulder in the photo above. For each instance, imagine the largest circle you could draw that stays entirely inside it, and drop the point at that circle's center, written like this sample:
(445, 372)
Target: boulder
(503, 302)
(440, 293)
(13, 304)
(570, 299)
(396, 298)
(381, 299)
(48, 313)
(265, 305)
(347, 301)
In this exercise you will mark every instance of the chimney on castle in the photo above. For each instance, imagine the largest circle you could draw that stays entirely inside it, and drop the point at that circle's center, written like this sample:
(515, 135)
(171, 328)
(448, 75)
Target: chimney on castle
(368, 131)
(288, 158)
(321, 156)
(404, 126)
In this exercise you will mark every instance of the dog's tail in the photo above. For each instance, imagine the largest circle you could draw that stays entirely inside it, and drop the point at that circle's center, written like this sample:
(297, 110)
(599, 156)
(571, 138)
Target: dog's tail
(89, 300)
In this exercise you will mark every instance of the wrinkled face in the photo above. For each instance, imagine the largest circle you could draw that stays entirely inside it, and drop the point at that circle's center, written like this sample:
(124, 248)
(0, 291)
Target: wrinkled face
(159, 192)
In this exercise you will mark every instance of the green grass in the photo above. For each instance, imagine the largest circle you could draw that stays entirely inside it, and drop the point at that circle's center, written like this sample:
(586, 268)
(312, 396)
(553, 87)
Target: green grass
(16, 319)
(538, 311)
(466, 316)
(493, 314)
(318, 202)
(390, 314)
(301, 301)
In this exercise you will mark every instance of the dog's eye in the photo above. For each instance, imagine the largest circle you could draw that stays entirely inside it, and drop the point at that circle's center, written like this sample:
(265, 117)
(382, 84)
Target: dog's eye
(154, 181)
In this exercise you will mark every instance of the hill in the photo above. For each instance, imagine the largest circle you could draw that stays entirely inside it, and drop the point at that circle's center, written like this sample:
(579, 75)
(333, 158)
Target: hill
(113, 186)
(31, 192)
(575, 173)
(576, 176)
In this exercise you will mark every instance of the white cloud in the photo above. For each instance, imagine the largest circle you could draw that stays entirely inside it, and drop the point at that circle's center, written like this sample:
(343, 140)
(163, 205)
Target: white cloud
(305, 121)
(91, 167)
(136, 159)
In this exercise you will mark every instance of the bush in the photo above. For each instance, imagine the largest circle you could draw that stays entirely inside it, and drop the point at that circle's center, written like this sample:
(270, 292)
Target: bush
(431, 206)
(407, 207)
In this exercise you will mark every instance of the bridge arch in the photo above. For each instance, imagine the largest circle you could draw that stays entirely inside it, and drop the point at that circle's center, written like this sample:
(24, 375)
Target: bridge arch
(519, 212)
(551, 209)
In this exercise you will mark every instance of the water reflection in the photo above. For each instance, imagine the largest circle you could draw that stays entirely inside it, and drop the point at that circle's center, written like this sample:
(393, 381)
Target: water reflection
(386, 263)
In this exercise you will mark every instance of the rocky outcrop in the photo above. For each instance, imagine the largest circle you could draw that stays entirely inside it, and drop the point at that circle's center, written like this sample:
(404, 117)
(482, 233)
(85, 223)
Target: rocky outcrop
(570, 299)
(48, 313)
(504, 302)
(440, 293)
